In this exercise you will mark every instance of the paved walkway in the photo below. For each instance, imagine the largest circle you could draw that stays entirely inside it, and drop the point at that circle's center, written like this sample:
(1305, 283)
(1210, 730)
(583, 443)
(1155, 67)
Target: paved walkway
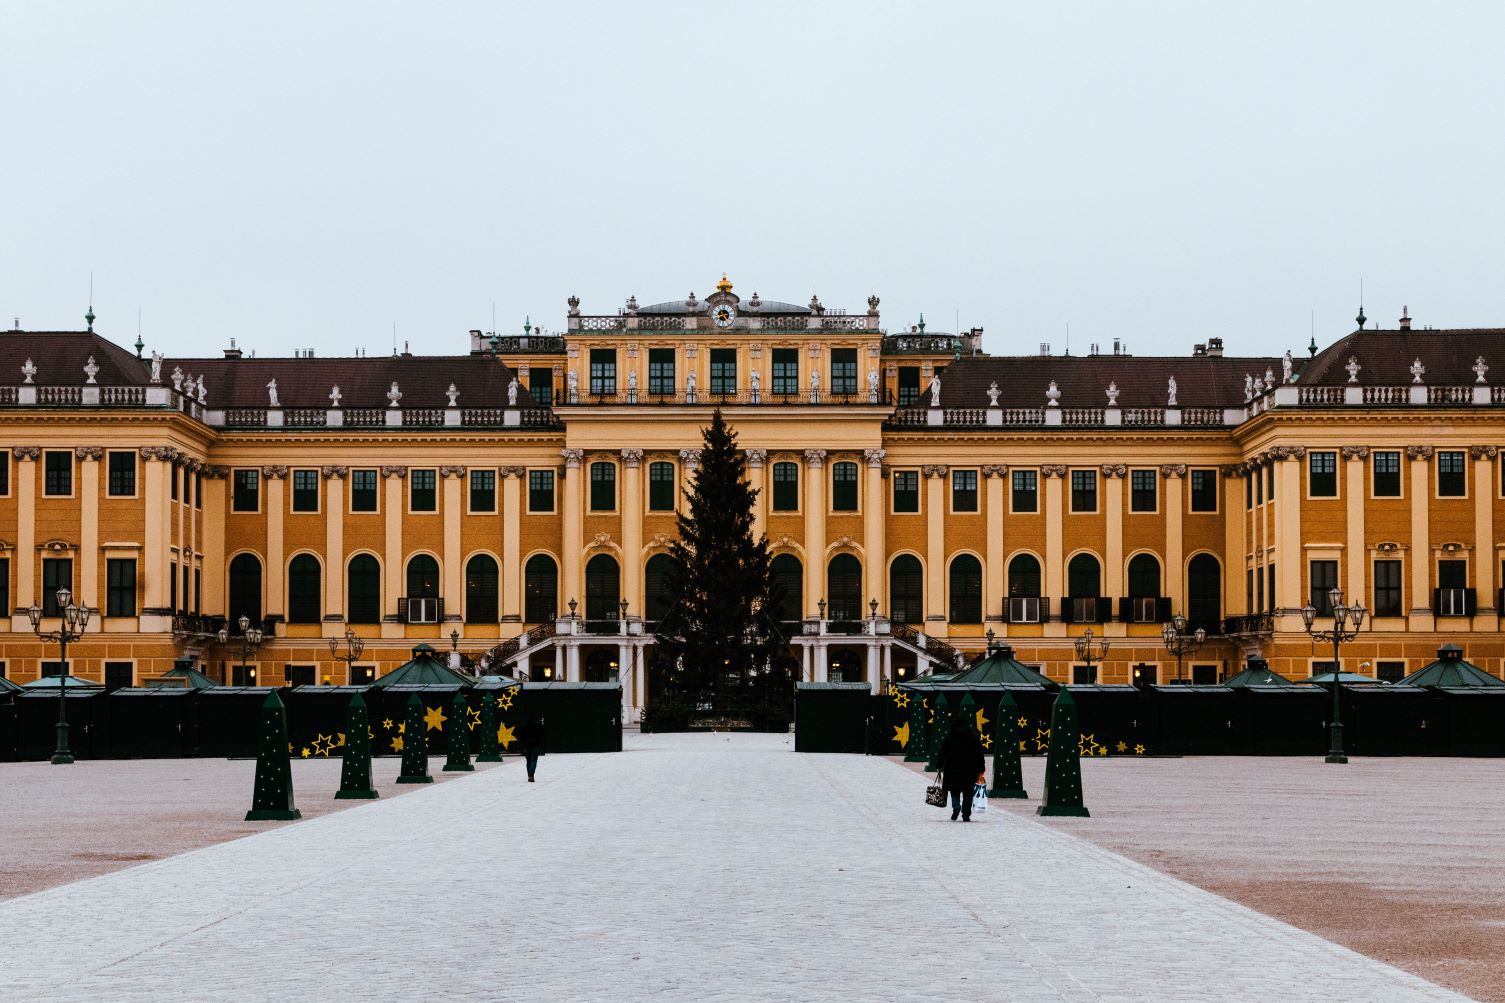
(688, 868)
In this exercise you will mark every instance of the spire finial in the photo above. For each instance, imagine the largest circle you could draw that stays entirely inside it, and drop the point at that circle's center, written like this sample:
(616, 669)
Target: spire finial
(724, 285)
(527, 324)
(90, 315)
(1361, 318)
(139, 343)
(922, 323)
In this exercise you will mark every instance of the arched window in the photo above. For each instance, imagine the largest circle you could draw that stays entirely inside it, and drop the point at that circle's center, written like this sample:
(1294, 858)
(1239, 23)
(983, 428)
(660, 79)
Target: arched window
(481, 589)
(540, 589)
(789, 581)
(363, 594)
(1084, 581)
(1204, 594)
(423, 577)
(657, 582)
(1144, 576)
(603, 487)
(906, 590)
(304, 594)
(602, 588)
(245, 590)
(844, 588)
(1024, 576)
(966, 589)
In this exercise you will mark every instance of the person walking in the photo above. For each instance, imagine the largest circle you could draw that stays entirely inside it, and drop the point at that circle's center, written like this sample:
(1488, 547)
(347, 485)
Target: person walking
(959, 761)
(530, 738)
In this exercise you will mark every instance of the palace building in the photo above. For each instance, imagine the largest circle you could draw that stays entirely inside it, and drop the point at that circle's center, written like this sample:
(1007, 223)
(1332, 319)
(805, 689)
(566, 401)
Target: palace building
(514, 503)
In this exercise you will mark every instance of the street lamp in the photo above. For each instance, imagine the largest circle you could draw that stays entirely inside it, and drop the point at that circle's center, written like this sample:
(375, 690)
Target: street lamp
(1346, 623)
(73, 621)
(1178, 642)
(353, 648)
(250, 640)
(1090, 652)
(622, 606)
(822, 605)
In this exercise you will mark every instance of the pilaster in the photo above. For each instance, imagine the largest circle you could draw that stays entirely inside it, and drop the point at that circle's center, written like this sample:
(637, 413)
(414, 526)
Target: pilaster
(874, 542)
(275, 479)
(1113, 490)
(334, 548)
(88, 530)
(757, 460)
(393, 506)
(572, 551)
(935, 548)
(1356, 552)
(1174, 476)
(214, 540)
(512, 558)
(632, 535)
(453, 588)
(1419, 458)
(995, 477)
(815, 527)
(26, 525)
(1055, 587)
(1484, 532)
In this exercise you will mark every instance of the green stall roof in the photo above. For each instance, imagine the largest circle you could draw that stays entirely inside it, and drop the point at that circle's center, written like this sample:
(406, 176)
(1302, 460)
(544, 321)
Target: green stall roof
(1450, 670)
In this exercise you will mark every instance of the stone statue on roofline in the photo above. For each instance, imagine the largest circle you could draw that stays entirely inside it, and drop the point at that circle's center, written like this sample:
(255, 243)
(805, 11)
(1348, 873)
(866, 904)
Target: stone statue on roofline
(271, 392)
(452, 393)
(157, 358)
(993, 393)
(177, 378)
(393, 395)
(935, 390)
(1286, 364)
(512, 392)
(202, 393)
(1171, 393)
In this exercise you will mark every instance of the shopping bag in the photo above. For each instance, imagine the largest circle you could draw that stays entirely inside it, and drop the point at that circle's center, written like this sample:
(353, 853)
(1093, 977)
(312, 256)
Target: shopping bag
(935, 794)
(980, 798)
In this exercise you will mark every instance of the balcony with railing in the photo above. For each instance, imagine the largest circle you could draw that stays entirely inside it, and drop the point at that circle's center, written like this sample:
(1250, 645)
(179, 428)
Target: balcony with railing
(1250, 625)
(716, 398)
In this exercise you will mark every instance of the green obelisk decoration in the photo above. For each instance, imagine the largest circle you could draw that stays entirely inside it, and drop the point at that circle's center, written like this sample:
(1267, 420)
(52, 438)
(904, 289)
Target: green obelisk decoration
(1008, 775)
(490, 751)
(458, 733)
(914, 752)
(415, 746)
(272, 799)
(1063, 761)
(938, 729)
(355, 774)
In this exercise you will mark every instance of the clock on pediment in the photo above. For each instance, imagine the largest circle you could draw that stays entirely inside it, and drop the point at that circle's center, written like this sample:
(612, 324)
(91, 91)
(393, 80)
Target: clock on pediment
(723, 314)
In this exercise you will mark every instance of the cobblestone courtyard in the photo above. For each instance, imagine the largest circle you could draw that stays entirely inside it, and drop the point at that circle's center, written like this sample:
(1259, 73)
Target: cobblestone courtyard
(690, 867)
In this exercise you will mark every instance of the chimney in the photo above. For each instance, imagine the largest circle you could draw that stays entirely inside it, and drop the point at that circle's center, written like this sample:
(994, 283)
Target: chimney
(1044, 348)
(232, 352)
(1116, 347)
(1198, 349)
(1405, 318)
(1215, 347)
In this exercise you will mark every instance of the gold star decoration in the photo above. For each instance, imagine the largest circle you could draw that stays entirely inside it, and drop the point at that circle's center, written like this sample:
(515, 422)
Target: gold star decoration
(505, 700)
(901, 699)
(1138, 750)
(341, 736)
(901, 735)
(387, 724)
(1023, 721)
(504, 736)
(304, 753)
(987, 742)
(1085, 744)
(1042, 739)
(474, 717)
(433, 717)
(402, 727)
(982, 724)
(892, 690)
(1023, 745)
(397, 744)
(1123, 746)
(290, 748)
(322, 745)
(370, 735)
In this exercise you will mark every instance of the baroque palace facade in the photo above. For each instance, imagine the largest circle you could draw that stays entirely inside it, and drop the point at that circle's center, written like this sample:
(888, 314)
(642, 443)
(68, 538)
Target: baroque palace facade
(514, 503)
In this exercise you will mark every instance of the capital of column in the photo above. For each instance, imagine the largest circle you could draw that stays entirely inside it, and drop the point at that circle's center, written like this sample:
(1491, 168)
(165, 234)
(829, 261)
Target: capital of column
(28, 452)
(1355, 452)
(1170, 470)
(994, 470)
(874, 457)
(164, 453)
(517, 471)
(1481, 452)
(816, 458)
(336, 472)
(398, 472)
(756, 458)
(935, 469)
(572, 458)
(1232, 470)
(452, 471)
(1286, 453)
(1049, 470)
(1419, 452)
(274, 473)
(690, 458)
(1112, 470)
(89, 452)
(213, 472)
(632, 458)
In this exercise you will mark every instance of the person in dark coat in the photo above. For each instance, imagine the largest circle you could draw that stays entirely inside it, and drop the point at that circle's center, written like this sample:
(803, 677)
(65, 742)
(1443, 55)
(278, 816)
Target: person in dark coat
(530, 739)
(960, 761)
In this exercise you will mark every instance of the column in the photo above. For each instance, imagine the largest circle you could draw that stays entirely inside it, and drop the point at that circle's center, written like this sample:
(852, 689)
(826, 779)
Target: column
(1236, 564)
(1484, 535)
(512, 558)
(558, 661)
(874, 674)
(88, 536)
(815, 528)
(632, 533)
(570, 549)
(995, 476)
(453, 588)
(1421, 537)
(1287, 465)
(806, 661)
(874, 541)
(26, 529)
(1175, 558)
(162, 515)
(154, 545)
(182, 511)
(214, 539)
(935, 548)
(822, 662)
(334, 548)
(275, 574)
(757, 460)
(1052, 474)
(392, 555)
(1113, 556)
(888, 662)
(572, 662)
(1356, 588)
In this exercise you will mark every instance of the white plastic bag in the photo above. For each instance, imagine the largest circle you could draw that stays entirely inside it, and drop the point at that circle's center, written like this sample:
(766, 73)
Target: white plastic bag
(980, 798)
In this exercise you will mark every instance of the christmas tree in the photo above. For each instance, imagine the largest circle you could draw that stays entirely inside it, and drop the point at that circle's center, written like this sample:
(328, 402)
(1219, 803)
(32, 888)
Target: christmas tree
(272, 797)
(458, 734)
(355, 774)
(1008, 775)
(489, 752)
(415, 746)
(940, 724)
(1063, 763)
(919, 712)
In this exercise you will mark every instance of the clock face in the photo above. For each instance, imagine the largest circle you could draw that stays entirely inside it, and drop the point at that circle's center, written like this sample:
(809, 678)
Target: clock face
(724, 314)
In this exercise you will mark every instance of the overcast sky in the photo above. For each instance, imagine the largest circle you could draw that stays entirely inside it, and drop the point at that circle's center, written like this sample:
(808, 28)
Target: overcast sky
(307, 175)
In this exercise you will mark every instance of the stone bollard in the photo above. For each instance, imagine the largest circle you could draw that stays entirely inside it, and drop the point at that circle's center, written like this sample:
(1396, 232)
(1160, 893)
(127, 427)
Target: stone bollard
(415, 746)
(272, 797)
(938, 729)
(355, 774)
(919, 710)
(1063, 761)
(1008, 774)
(459, 737)
(490, 751)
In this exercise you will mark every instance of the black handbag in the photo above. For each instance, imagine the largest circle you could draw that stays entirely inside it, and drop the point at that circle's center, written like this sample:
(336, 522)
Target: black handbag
(935, 794)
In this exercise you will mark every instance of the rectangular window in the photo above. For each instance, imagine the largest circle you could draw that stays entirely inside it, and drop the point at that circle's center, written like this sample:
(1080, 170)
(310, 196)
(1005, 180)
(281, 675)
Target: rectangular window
(363, 490)
(786, 487)
(1025, 490)
(57, 573)
(723, 370)
(909, 385)
(423, 495)
(172, 484)
(5, 590)
(541, 384)
(1270, 586)
(122, 474)
(844, 487)
(1322, 474)
(786, 370)
(660, 370)
(198, 490)
(1390, 672)
(1452, 574)
(843, 370)
(172, 586)
(1324, 577)
(661, 487)
(483, 490)
(120, 587)
(1084, 675)
(603, 371)
(1204, 490)
(1259, 582)
(5, 472)
(246, 490)
(1450, 475)
(119, 675)
(1386, 465)
(1084, 490)
(906, 490)
(1249, 591)
(58, 473)
(603, 487)
(298, 675)
(305, 491)
(1142, 490)
(964, 491)
(183, 605)
(540, 491)
(1387, 588)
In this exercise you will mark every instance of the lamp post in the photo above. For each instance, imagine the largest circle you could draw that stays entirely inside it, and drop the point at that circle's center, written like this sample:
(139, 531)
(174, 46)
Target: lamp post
(1346, 623)
(1178, 642)
(250, 639)
(73, 621)
(1091, 651)
(353, 648)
